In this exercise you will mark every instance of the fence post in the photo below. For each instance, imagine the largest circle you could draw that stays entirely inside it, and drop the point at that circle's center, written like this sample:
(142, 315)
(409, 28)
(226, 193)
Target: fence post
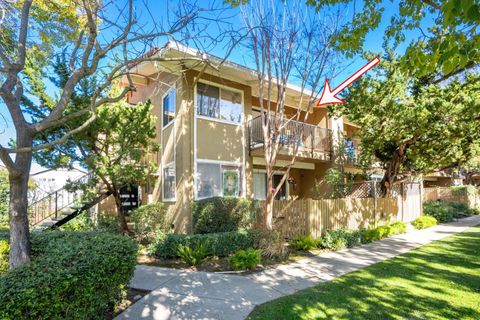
(374, 187)
(309, 215)
(402, 196)
(421, 199)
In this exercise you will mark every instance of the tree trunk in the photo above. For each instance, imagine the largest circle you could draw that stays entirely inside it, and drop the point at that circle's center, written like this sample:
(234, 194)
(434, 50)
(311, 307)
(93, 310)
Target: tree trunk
(268, 206)
(18, 215)
(122, 219)
(391, 172)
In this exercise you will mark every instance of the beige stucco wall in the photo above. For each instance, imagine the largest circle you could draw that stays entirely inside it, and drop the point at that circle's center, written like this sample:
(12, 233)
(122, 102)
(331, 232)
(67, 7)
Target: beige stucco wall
(219, 141)
(214, 141)
(167, 144)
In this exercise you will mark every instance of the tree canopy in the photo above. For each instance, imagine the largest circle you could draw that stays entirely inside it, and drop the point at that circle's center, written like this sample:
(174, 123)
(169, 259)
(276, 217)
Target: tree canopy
(412, 129)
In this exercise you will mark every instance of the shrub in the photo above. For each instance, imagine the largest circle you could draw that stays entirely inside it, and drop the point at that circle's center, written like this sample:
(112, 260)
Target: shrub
(270, 243)
(4, 233)
(77, 275)
(222, 214)
(340, 239)
(149, 219)
(439, 210)
(218, 244)
(381, 232)
(397, 228)
(4, 251)
(195, 256)
(245, 259)
(304, 243)
(80, 223)
(424, 222)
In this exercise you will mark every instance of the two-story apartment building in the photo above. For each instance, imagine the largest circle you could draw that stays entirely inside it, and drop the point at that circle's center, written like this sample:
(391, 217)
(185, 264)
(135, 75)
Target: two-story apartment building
(209, 129)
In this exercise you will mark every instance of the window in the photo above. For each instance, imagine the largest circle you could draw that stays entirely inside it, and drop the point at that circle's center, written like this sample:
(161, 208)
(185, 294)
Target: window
(169, 107)
(216, 180)
(219, 103)
(260, 186)
(169, 182)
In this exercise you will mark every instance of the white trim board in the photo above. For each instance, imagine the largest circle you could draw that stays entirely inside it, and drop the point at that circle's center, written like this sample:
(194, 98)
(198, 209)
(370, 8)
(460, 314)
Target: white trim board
(284, 163)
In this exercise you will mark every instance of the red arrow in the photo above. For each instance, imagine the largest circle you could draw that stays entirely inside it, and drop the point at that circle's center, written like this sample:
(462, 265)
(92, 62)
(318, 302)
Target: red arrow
(330, 97)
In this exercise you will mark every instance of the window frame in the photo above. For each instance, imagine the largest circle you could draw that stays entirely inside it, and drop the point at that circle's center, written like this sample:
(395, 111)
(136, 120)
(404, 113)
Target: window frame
(220, 87)
(239, 168)
(172, 89)
(167, 166)
(275, 173)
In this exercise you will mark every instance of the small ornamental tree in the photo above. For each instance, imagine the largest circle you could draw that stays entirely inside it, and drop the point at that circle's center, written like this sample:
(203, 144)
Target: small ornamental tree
(290, 43)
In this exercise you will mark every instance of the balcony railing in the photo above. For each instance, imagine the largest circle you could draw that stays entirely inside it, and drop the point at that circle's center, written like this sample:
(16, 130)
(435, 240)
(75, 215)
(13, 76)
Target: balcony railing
(312, 141)
(352, 150)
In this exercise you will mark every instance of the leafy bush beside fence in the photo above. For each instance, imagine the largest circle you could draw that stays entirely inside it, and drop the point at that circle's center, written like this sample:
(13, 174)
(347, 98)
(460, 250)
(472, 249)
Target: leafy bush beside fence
(381, 232)
(76, 275)
(446, 211)
(341, 239)
(223, 214)
(217, 244)
(424, 222)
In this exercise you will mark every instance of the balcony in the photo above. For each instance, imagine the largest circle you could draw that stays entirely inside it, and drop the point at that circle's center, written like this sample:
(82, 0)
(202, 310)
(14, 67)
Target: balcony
(351, 151)
(313, 142)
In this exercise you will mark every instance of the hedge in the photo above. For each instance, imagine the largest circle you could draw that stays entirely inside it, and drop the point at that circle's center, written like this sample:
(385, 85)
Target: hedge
(218, 244)
(446, 211)
(381, 232)
(340, 239)
(222, 214)
(75, 275)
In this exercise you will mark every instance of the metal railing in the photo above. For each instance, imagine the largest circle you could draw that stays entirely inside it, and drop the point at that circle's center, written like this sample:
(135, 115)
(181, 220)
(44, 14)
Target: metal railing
(308, 137)
(52, 204)
(351, 150)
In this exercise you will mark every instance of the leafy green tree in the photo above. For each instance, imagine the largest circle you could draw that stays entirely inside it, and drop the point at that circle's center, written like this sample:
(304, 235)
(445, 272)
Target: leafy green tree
(32, 34)
(449, 43)
(411, 129)
(114, 149)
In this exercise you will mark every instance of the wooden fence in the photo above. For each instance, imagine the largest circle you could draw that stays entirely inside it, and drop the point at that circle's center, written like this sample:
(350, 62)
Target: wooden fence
(300, 217)
(471, 198)
(444, 194)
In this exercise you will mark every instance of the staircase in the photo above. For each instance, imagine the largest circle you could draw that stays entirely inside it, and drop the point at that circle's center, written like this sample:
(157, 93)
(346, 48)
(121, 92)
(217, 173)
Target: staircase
(61, 206)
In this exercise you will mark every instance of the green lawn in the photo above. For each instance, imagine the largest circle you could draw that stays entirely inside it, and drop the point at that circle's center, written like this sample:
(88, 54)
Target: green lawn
(437, 281)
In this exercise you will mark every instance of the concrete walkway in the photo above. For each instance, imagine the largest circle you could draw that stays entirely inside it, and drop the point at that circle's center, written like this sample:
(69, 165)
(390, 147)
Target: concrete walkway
(177, 294)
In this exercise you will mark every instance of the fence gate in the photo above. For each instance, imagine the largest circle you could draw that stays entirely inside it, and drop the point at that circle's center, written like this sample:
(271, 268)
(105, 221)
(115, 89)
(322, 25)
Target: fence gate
(411, 201)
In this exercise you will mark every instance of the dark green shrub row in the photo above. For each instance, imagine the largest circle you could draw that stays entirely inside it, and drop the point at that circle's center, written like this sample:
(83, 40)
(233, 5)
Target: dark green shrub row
(446, 211)
(223, 214)
(381, 232)
(345, 238)
(424, 222)
(217, 244)
(77, 275)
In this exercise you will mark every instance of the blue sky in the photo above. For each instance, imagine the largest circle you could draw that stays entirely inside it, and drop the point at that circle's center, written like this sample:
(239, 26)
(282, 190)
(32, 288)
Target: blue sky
(240, 55)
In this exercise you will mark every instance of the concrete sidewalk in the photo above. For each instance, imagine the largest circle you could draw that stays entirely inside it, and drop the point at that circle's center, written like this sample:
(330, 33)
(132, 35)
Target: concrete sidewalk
(177, 294)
